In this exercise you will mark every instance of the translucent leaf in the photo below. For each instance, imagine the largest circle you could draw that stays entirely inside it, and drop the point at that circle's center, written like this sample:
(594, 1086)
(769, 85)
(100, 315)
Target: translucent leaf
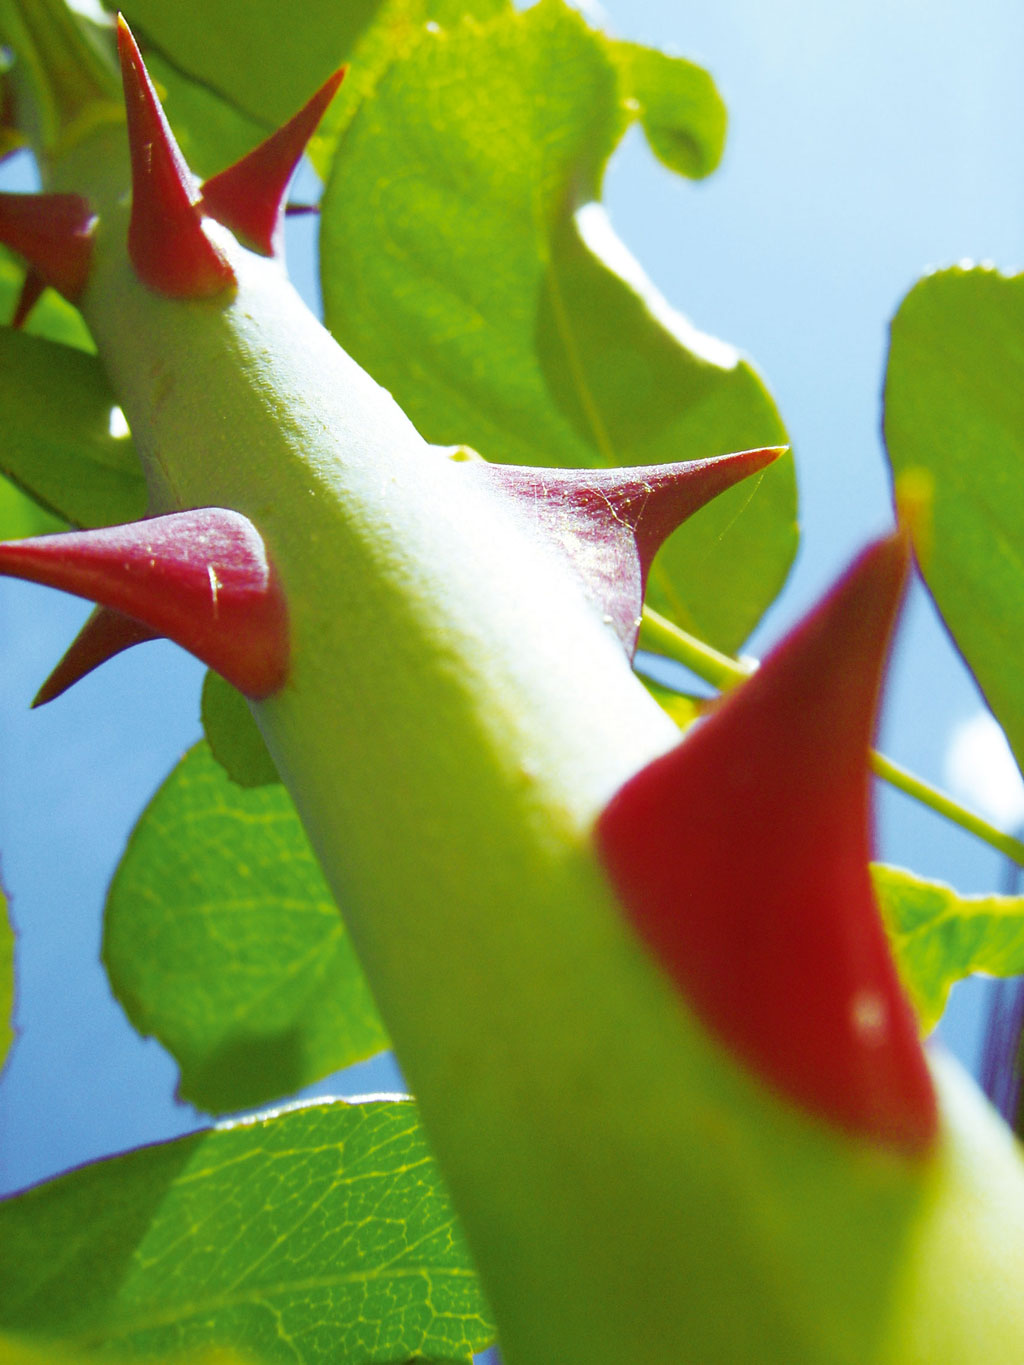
(954, 407)
(319, 1234)
(233, 735)
(467, 284)
(939, 936)
(222, 940)
(682, 113)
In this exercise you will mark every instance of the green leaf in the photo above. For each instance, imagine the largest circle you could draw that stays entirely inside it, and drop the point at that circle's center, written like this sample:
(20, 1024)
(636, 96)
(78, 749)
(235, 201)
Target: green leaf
(464, 281)
(233, 736)
(681, 111)
(22, 516)
(58, 445)
(320, 1234)
(954, 407)
(223, 98)
(6, 980)
(222, 940)
(939, 936)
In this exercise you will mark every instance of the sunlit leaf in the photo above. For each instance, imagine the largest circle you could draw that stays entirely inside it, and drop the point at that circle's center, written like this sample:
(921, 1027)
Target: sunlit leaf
(21, 515)
(223, 941)
(233, 736)
(464, 281)
(320, 1234)
(940, 936)
(954, 407)
(682, 113)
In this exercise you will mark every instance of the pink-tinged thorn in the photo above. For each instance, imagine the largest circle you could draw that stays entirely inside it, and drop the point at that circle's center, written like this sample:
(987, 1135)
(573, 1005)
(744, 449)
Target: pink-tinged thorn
(167, 243)
(249, 196)
(32, 289)
(610, 523)
(54, 234)
(105, 634)
(200, 578)
(741, 858)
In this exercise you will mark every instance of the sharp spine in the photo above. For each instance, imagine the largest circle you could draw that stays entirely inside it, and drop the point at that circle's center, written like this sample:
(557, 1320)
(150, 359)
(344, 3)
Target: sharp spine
(168, 246)
(741, 857)
(53, 232)
(249, 196)
(201, 578)
(610, 523)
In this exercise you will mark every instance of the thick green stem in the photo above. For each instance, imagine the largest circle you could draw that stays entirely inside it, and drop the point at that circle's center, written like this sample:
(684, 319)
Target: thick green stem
(723, 672)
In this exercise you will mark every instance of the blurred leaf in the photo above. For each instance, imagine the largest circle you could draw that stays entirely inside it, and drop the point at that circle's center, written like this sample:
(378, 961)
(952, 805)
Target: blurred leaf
(939, 936)
(223, 941)
(58, 445)
(22, 516)
(466, 284)
(684, 710)
(6, 980)
(954, 407)
(319, 1234)
(681, 111)
(233, 736)
(212, 132)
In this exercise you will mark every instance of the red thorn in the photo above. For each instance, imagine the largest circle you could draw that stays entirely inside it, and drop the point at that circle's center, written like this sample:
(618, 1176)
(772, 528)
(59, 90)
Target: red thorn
(741, 857)
(200, 578)
(166, 240)
(54, 234)
(32, 289)
(248, 197)
(105, 634)
(610, 523)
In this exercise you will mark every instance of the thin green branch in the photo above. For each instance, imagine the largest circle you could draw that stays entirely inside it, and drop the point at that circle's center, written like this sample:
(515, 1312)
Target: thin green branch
(721, 671)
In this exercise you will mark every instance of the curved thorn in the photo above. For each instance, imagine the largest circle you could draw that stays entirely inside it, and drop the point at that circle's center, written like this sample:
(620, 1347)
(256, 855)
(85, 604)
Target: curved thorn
(610, 523)
(166, 240)
(32, 289)
(248, 197)
(105, 634)
(741, 857)
(200, 578)
(54, 234)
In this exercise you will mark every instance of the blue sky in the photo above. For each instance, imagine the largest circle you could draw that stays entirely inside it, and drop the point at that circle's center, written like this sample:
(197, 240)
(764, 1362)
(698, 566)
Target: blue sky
(867, 144)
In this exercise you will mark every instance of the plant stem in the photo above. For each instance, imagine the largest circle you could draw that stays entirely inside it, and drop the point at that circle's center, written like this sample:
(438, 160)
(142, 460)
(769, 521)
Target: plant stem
(723, 672)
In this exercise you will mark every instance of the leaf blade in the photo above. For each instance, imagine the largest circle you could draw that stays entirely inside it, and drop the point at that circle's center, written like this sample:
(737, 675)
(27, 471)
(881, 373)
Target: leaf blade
(222, 940)
(939, 937)
(517, 337)
(318, 1234)
(954, 407)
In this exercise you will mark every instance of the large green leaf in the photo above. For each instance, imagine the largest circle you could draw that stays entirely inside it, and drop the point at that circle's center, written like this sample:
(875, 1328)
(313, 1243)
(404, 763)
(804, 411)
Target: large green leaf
(21, 515)
(223, 941)
(939, 936)
(57, 439)
(682, 113)
(223, 96)
(320, 1234)
(463, 279)
(6, 980)
(954, 406)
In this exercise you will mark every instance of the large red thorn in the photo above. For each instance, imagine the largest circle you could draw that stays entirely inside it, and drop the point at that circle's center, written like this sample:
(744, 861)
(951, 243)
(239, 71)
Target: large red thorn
(200, 578)
(610, 523)
(249, 196)
(741, 857)
(167, 243)
(54, 234)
